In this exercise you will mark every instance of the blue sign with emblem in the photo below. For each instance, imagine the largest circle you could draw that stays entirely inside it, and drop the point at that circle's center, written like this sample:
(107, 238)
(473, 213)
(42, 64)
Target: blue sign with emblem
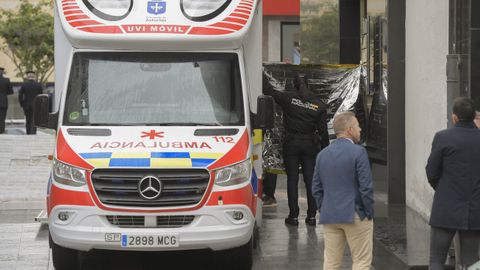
(156, 7)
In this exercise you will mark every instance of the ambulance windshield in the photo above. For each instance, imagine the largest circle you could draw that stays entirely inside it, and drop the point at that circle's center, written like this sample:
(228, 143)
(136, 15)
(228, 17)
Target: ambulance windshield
(154, 89)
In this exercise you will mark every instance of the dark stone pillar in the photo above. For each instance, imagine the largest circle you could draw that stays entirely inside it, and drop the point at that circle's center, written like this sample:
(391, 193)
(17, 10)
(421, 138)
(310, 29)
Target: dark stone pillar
(396, 102)
(349, 17)
(475, 53)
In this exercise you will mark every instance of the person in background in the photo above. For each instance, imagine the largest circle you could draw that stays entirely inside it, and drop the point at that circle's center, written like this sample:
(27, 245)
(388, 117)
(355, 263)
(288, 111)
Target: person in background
(477, 119)
(453, 171)
(304, 114)
(343, 189)
(269, 186)
(28, 91)
(5, 90)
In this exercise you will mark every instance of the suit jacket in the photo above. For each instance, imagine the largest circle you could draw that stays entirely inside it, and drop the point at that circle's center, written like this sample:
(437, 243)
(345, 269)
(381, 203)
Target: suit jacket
(342, 183)
(29, 90)
(453, 170)
(5, 90)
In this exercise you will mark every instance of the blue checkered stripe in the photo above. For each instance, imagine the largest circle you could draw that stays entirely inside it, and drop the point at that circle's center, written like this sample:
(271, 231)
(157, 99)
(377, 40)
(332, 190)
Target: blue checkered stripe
(151, 159)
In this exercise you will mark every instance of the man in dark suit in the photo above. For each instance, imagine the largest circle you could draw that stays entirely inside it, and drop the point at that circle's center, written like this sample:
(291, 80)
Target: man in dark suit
(29, 90)
(5, 90)
(303, 115)
(343, 189)
(453, 171)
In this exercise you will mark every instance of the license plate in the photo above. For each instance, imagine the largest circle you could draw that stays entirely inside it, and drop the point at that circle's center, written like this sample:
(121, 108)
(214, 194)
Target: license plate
(164, 240)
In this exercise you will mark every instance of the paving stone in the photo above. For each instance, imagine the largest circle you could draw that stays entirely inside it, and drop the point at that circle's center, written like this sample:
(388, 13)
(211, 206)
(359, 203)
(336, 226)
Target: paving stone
(24, 170)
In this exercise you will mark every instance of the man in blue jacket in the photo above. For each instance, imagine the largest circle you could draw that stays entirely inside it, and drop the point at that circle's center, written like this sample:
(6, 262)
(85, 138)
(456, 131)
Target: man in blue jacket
(453, 171)
(343, 189)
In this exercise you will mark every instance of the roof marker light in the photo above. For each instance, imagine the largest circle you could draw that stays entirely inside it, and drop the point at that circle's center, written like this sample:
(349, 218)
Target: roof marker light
(203, 10)
(110, 10)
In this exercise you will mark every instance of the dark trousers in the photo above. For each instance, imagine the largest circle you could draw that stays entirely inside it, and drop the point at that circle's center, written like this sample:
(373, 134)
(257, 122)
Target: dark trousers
(270, 184)
(440, 241)
(297, 151)
(30, 127)
(3, 116)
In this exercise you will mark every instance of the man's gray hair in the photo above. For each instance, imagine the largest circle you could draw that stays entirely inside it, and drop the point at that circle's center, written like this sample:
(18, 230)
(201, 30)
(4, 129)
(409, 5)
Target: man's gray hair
(342, 122)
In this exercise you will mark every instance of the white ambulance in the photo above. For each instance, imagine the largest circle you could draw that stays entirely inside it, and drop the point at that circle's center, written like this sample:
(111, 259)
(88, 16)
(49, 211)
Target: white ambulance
(155, 111)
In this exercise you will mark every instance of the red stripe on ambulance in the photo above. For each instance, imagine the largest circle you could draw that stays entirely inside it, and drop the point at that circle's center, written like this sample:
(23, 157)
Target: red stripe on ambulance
(242, 11)
(102, 29)
(66, 154)
(84, 23)
(235, 20)
(73, 12)
(236, 154)
(70, 8)
(155, 28)
(228, 25)
(240, 15)
(77, 17)
(60, 196)
(208, 31)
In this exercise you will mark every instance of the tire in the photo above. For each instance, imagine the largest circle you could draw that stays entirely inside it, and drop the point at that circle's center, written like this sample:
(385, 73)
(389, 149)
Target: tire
(242, 257)
(64, 258)
(256, 236)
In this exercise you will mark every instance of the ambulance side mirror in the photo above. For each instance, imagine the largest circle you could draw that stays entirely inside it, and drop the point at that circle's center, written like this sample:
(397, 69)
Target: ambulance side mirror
(42, 117)
(265, 112)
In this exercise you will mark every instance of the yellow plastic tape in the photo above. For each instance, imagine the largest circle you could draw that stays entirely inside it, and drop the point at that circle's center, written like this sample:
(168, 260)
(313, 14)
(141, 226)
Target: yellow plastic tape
(257, 136)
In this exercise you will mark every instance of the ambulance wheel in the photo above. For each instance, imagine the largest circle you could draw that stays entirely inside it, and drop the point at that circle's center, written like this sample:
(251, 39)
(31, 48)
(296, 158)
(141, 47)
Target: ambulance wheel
(64, 258)
(242, 257)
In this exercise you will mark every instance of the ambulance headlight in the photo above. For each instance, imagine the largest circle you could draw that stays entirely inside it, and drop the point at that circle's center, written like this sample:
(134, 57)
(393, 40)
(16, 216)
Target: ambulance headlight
(200, 11)
(68, 175)
(233, 175)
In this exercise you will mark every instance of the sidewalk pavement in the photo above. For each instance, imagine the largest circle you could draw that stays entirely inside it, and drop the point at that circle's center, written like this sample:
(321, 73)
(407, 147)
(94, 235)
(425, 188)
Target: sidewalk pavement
(24, 168)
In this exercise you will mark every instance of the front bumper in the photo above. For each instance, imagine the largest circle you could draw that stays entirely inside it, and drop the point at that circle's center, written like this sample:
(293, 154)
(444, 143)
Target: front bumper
(212, 228)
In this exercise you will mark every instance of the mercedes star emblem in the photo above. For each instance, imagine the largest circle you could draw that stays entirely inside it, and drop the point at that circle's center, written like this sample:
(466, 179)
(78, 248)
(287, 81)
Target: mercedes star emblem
(150, 187)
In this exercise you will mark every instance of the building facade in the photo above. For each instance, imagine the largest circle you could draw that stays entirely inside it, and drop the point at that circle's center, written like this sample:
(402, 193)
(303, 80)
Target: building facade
(281, 30)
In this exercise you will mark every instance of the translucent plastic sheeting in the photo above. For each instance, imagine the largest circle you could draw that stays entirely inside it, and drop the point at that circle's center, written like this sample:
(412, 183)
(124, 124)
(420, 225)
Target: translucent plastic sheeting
(377, 124)
(341, 88)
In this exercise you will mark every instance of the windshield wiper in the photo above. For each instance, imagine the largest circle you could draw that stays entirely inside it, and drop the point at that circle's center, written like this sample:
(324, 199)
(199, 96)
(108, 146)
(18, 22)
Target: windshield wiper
(184, 124)
(150, 124)
(113, 124)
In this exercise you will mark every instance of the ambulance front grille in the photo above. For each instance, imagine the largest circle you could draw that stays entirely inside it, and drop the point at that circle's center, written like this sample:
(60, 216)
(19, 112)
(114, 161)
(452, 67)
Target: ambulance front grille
(127, 221)
(180, 187)
(159, 221)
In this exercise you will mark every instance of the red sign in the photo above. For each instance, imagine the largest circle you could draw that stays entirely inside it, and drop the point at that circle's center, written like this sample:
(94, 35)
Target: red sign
(281, 7)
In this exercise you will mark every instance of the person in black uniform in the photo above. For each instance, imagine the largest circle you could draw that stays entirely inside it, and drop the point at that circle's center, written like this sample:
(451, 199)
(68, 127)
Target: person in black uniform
(5, 90)
(29, 90)
(304, 115)
(269, 186)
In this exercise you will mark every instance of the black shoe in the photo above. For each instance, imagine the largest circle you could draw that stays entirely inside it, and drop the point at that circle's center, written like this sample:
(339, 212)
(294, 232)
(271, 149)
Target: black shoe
(291, 221)
(269, 201)
(311, 221)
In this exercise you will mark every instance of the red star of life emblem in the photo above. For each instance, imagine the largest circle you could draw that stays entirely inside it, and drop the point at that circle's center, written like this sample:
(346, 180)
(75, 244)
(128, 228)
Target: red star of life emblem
(152, 134)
